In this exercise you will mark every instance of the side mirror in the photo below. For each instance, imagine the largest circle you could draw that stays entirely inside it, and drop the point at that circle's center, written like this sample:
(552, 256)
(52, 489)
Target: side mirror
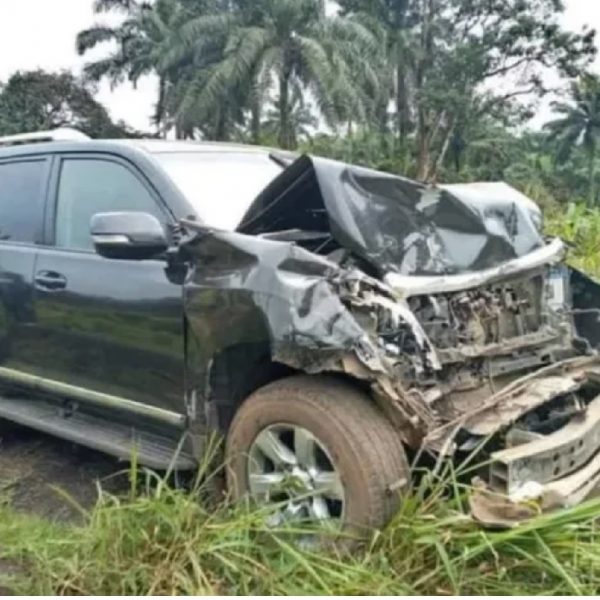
(128, 235)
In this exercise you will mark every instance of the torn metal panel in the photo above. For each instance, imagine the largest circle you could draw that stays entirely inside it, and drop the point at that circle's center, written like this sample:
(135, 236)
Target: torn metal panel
(498, 510)
(537, 392)
(556, 471)
(495, 510)
(551, 456)
(515, 399)
(407, 286)
(398, 225)
(274, 291)
(312, 315)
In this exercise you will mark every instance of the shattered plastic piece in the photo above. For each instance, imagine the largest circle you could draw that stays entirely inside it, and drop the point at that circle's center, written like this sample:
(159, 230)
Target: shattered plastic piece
(530, 490)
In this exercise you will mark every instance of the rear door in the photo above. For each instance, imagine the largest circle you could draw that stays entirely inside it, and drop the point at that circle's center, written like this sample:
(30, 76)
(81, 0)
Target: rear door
(23, 183)
(109, 326)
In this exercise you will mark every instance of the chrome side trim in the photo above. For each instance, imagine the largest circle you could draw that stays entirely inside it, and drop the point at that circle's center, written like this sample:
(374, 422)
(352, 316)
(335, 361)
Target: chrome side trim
(97, 398)
(409, 285)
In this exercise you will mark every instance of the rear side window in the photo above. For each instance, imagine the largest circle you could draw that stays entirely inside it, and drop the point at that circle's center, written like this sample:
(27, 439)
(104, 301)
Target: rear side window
(90, 186)
(21, 200)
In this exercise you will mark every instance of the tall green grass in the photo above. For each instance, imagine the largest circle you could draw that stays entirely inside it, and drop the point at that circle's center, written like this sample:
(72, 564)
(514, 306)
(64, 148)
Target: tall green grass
(160, 540)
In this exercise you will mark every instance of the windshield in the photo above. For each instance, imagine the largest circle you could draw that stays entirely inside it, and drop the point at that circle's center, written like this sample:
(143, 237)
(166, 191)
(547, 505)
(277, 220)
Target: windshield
(220, 185)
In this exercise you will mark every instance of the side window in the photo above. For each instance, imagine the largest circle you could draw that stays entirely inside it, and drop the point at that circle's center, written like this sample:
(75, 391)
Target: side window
(90, 186)
(21, 200)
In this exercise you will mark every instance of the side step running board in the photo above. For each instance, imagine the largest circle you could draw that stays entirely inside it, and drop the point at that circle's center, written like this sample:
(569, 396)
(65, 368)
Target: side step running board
(33, 382)
(124, 442)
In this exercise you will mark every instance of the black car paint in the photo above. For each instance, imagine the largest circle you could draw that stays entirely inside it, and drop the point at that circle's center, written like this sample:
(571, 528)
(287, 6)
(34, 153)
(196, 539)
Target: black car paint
(110, 326)
(279, 301)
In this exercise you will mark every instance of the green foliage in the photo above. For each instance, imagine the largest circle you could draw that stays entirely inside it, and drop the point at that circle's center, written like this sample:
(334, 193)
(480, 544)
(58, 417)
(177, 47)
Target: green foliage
(579, 125)
(423, 72)
(441, 54)
(35, 100)
(157, 540)
(579, 226)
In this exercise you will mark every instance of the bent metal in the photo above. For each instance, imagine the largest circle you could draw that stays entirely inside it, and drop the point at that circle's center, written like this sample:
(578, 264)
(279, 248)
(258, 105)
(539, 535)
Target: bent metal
(469, 328)
(320, 316)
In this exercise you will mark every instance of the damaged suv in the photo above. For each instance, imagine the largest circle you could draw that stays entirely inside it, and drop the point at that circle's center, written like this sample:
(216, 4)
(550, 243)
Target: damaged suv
(326, 319)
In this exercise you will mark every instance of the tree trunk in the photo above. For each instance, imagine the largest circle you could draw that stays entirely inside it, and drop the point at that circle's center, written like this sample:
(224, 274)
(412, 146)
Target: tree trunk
(255, 110)
(402, 117)
(592, 176)
(284, 111)
(439, 163)
(424, 63)
(221, 130)
(400, 9)
(159, 113)
(423, 151)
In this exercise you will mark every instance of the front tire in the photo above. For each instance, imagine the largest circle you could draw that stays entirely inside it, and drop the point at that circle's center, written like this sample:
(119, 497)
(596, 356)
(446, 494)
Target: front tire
(319, 447)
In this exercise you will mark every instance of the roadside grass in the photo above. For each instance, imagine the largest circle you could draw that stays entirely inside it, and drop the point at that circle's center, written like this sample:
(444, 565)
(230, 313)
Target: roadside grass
(160, 540)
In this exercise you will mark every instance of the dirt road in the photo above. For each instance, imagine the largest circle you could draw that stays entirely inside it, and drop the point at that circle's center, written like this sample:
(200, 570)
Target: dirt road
(33, 464)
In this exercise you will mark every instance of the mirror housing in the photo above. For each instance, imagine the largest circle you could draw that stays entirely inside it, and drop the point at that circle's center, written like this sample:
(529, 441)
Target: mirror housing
(128, 235)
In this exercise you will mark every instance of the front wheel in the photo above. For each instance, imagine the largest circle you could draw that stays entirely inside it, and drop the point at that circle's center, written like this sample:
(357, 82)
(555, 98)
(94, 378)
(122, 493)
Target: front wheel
(320, 449)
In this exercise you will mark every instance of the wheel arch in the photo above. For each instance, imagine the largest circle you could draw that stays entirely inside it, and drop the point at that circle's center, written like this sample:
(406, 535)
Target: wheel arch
(235, 373)
(240, 370)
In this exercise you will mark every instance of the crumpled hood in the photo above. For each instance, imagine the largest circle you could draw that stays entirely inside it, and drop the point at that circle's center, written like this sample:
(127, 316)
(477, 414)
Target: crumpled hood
(396, 224)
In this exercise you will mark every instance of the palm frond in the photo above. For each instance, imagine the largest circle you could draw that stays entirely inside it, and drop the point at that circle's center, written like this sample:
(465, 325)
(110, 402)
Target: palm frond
(115, 5)
(98, 34)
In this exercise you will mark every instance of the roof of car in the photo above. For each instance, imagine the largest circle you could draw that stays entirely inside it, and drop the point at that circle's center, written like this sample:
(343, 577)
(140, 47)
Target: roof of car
(145, 145)
(155, 146)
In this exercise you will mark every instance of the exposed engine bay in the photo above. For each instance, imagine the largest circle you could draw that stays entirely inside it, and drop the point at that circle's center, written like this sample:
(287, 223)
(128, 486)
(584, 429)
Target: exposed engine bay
(448, 302)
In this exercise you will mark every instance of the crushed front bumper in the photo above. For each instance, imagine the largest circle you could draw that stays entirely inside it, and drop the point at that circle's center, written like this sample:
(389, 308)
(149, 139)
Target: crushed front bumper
(557, 470)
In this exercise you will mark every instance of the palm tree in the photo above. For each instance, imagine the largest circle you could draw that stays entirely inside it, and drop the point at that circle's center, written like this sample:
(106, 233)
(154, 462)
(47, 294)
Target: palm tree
(280, 44)
(198, 46)
(391, 21)
(302, 120)
(177, 40)
(143, 40)
(579, 126)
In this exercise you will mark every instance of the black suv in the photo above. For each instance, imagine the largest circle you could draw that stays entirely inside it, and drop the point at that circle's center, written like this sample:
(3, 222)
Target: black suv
(322, 317)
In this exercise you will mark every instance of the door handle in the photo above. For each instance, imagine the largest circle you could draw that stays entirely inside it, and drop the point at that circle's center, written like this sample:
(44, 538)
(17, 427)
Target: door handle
(50, 280)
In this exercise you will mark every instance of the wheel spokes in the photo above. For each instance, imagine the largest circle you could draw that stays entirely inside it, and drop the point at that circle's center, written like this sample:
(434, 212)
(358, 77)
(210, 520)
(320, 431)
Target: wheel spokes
(318, 509)
(263, 484)
(289, 465)
(305, 447)
(329, 484)
(274, 449)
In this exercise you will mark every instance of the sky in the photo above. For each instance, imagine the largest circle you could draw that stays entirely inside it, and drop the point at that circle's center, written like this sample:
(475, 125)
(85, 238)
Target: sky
(41, 34)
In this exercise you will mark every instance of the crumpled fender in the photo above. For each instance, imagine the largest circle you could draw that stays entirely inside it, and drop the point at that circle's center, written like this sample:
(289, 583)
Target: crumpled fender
(245, 289)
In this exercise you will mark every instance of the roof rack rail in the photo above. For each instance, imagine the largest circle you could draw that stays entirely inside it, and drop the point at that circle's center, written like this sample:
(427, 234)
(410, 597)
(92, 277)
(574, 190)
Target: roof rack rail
(63, 134)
